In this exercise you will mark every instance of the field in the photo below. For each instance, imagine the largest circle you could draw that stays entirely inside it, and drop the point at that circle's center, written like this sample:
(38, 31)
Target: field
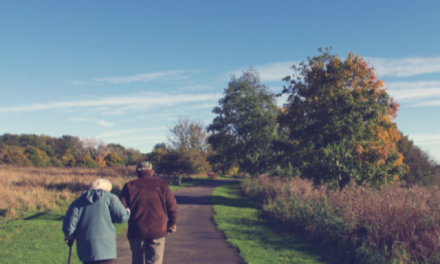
(26, 190)
(34, 201)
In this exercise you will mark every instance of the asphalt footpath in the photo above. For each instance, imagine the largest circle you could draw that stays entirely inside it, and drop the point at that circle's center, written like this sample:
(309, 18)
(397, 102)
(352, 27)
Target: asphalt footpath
(197, 239)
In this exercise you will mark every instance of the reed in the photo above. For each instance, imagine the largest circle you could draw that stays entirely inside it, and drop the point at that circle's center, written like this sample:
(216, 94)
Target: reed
(396, 224)
(29, 189)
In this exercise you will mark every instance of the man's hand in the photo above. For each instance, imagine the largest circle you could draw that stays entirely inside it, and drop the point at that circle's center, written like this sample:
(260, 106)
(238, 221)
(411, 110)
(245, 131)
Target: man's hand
(69, 240)
(171, 229)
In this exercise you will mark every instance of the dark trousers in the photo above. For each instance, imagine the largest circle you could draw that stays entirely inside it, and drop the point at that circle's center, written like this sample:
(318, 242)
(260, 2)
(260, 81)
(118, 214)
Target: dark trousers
(105, 261)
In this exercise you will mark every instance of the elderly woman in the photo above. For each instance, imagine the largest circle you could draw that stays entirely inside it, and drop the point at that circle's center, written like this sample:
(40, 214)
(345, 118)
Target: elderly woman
(90, 220)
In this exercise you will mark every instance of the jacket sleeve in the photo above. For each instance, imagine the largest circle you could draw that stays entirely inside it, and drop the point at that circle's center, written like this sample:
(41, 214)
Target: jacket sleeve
(71, 220)
(123, 196)
(171, 206)
(117, 211)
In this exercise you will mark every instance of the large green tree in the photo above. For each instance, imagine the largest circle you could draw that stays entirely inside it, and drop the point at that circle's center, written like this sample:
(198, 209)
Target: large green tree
(245, 124)
(338, 119)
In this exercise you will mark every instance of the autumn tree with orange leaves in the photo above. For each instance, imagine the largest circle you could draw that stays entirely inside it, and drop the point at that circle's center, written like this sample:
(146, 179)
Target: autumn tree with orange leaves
(338, 122)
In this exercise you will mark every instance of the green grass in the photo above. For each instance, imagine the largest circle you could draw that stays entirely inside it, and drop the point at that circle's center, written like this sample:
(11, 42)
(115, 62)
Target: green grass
(189, 182)
(258, 240)
(38, 238)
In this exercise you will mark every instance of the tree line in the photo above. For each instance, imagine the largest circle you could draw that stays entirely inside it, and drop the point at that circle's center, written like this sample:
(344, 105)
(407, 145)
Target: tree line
(66, 151)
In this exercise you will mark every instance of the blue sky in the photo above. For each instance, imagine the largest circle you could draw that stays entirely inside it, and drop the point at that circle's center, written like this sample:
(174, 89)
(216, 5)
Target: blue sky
(124, 72)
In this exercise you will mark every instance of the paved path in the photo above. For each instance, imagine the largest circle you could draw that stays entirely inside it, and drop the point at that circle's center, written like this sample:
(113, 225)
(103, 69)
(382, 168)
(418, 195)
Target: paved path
(197, 239)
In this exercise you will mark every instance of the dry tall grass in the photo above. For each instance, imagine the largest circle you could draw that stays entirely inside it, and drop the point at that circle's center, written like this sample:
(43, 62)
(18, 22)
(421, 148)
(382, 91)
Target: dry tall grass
(24, 189)
(396, 224)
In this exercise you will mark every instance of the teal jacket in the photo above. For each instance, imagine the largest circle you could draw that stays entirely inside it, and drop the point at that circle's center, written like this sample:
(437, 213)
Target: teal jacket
(90, 221)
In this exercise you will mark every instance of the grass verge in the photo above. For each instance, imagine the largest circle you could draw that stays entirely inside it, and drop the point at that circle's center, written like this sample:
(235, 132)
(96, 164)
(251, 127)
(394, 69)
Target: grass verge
(258, 240)
(189, 182)
(38, 238)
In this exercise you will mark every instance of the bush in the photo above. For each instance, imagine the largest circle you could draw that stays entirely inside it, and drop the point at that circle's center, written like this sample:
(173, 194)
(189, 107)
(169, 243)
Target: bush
(232, 172)
(88, 162)
(38, 157)
(113, 159)
(68, 159)
(375, 226)
(56, 162)
(16, 158)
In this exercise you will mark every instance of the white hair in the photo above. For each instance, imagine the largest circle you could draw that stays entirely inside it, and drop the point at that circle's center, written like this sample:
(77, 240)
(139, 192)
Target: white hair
(104, 184)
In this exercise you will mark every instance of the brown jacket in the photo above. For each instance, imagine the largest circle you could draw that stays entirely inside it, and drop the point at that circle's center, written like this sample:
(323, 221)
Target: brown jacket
(151, 202)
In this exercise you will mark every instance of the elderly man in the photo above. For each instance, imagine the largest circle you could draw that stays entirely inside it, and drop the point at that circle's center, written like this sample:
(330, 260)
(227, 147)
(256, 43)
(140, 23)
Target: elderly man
(151, 202)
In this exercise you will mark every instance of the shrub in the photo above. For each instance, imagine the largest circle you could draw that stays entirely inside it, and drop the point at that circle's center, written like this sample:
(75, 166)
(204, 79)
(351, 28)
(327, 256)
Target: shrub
(113, 159)
(100, 161)
(15, 156)
(232, 171)
(56, 162)
(392, 224)
(88, 162)
(68, 159)
(38, 157)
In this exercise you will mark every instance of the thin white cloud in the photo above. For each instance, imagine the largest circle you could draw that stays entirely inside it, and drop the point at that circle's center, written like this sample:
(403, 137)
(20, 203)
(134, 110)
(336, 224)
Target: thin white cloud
(405, 67)
(139, 139)
(428, 103)
(275, 71)
(195, 88)
(98, 121)
(80, 119)
(105, 123)
(410, 91)
(425, 139)
(144, 77)
(79, 82)
(134, 103)
(424, 93)
(129, 131)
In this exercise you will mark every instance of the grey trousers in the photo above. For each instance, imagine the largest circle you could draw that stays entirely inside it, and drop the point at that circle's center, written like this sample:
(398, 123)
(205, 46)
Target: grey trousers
(150, 249)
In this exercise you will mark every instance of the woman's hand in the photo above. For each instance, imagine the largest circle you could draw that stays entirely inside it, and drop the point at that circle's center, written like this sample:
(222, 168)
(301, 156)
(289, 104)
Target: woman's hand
(69, 240)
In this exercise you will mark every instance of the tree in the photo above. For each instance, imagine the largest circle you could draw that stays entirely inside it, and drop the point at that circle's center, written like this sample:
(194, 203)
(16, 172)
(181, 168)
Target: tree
(245, 125)
(188, 135)
(423, 169)
(133, 156)
(338, 117)
(188, 149)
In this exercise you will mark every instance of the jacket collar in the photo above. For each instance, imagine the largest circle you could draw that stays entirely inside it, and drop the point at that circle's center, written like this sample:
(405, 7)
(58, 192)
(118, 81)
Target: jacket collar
(145, 174)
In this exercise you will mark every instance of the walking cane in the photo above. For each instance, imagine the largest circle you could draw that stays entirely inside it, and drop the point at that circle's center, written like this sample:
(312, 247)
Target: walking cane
(70, 254)
(70, 250)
